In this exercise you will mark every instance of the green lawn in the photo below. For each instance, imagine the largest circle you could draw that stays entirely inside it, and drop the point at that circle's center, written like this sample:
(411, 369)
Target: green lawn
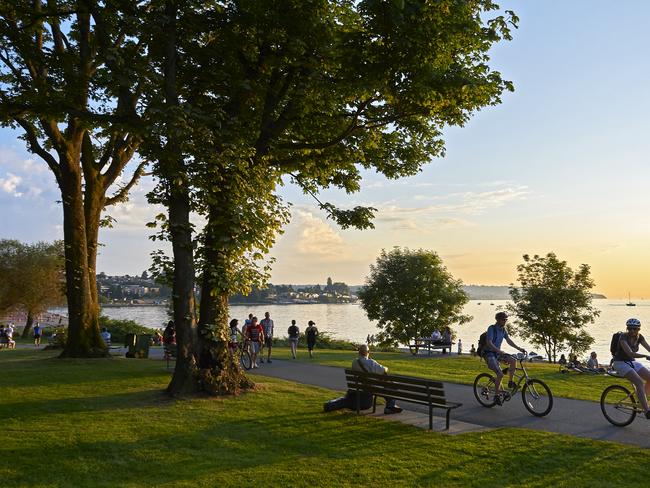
(87, 423)
(463, 370)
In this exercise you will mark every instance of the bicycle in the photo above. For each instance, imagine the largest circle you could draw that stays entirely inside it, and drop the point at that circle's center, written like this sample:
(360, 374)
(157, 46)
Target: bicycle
(536, 395)
(618, 404)
(242, 350)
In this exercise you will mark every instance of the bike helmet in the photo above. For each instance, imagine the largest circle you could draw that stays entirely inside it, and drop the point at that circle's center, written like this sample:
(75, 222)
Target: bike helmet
(633, 324)
(501, 315)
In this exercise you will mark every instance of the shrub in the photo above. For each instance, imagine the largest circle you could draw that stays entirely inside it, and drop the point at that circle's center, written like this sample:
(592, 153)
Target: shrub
(120, 328)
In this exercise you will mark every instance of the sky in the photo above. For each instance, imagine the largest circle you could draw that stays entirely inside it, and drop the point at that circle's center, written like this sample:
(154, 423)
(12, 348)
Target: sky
(560, 166)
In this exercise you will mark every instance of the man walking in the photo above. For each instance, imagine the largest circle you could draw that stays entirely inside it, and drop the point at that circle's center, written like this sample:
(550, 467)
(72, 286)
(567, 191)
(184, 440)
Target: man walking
(267, 325)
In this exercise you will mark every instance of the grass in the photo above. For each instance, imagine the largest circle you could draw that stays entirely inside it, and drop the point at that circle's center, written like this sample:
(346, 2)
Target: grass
(464, 369)
(106, 423)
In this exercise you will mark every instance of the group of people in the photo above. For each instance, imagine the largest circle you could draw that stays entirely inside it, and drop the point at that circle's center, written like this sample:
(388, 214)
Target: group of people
(7, 337)
(259, 334)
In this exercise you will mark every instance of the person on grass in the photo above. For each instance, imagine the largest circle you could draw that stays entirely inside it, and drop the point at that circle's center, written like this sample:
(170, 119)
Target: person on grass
(496, 333)
(625, 364)
(311, 332)
(294, 335)
(38, 332)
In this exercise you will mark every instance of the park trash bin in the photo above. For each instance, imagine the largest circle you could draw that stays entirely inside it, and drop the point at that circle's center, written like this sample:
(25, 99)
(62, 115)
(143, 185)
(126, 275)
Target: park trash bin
(129, 343)
(142, 343)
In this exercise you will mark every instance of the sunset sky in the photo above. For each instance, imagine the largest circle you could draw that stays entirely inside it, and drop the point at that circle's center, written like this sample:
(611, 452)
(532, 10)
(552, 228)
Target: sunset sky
(560, 166)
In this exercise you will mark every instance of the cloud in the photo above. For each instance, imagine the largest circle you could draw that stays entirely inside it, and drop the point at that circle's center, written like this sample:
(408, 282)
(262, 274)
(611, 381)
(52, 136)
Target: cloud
(316, 238)
(10, 184)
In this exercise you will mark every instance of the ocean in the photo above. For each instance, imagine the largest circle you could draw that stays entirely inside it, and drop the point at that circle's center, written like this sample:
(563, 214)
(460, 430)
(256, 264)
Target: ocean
(349, 321)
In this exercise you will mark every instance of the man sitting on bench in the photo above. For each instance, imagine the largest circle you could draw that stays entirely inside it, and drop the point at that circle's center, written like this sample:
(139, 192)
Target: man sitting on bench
(367, 365)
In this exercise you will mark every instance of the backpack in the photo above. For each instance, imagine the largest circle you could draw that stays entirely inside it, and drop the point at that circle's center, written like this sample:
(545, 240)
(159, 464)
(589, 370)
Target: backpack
(613, 345)
(482, 342)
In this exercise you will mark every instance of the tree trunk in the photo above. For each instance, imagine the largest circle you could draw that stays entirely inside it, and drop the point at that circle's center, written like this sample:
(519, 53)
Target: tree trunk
(185, 380)
(83, 339)
(220, 370)
(28, 325)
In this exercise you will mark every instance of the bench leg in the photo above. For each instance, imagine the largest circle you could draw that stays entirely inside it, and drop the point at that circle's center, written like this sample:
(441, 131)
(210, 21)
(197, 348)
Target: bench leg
(374, 403)
(430, 417)
(448, 413)
(358, 402)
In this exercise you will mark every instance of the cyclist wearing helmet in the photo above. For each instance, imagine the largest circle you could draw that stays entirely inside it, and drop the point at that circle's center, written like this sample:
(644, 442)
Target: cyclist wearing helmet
(625, 365)
(496, 333)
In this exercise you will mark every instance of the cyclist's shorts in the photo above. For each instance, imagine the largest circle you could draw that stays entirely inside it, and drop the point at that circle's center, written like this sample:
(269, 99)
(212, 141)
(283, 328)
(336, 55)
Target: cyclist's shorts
(624, 367)
(492, 360)
(268, 341)
(255, 347)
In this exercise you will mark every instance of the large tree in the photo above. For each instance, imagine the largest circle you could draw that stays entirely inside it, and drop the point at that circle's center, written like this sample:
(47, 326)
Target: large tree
(32, 278)
(314, 91)
(71, 81)
(410, 294)
(553, 304)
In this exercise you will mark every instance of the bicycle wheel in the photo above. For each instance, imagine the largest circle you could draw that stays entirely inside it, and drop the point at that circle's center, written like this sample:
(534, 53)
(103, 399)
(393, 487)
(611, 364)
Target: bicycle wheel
(484, 390)
(537, 398)
(245, 359)
(618, 405)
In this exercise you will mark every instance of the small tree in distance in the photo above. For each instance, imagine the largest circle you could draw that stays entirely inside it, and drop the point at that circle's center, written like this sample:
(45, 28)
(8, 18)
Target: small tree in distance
(553, 304)
(410, 294)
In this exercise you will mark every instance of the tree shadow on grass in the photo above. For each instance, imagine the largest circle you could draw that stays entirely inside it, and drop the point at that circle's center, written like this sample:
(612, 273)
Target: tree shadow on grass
(28, 410)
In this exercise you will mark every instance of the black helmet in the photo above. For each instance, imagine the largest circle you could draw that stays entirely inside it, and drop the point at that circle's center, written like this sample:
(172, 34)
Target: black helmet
(501, 315)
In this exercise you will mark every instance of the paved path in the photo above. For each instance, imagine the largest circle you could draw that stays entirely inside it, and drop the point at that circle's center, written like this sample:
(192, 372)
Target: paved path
(574, 417)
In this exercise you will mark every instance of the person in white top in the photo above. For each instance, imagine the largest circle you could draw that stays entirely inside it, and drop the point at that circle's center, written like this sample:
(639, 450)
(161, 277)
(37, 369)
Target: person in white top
(106, 335)
(367, 365)
(436, 336)
(267, 325)
(593, 361)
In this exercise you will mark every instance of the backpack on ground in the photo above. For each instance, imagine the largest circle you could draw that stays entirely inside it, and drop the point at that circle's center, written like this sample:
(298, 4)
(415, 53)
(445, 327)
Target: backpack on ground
(613, 345)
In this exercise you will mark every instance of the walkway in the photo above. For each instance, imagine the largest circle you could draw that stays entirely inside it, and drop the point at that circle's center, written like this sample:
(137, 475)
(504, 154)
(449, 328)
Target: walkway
(574, 417)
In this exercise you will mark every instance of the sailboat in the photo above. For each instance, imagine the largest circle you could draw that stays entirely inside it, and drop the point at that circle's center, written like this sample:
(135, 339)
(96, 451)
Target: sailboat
(629, 302)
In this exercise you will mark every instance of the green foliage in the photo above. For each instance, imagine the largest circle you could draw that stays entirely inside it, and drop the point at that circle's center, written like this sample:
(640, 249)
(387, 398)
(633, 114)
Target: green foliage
(410, 294)
(32, 276)
(552, 304)
(119, 328)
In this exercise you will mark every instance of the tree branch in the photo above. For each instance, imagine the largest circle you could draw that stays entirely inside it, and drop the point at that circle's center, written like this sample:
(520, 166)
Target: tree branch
(123, 192)
(32, 139)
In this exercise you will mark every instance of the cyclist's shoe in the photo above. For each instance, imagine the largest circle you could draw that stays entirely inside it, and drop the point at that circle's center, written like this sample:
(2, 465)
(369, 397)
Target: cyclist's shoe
(269, 361)
(498, 400)
(261, 360)
(506, 396)
(512, 384)
(647, 415)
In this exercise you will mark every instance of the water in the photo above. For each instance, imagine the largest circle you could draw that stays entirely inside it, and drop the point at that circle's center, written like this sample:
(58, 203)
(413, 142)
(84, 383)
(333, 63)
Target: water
(349, 321)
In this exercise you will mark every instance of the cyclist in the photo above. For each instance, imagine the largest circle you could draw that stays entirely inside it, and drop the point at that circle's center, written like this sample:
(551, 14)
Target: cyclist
(496, 333)
(625, 365)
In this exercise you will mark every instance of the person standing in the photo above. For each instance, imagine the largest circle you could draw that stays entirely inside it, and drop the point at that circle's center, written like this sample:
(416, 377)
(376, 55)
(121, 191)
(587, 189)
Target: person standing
(38, 332)
(311, 332)
(9, 332)
(460, 347)
(294, 335)
(169, 340)
(267, 324)
(255, 334)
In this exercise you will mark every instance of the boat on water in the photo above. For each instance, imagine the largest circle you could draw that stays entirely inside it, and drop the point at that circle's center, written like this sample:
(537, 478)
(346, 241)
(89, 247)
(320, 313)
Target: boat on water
(630, 303)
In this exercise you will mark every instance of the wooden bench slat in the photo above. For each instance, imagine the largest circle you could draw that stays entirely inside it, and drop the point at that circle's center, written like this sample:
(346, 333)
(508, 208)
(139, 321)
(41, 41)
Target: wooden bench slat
(405, 388)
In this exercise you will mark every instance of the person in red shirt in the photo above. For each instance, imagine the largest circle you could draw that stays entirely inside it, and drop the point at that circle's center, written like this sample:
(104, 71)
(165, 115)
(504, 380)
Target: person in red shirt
(255, 334)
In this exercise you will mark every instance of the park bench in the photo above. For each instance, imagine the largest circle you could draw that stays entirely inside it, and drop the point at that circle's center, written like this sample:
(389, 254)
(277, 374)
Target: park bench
(429, 344)
(404, 388)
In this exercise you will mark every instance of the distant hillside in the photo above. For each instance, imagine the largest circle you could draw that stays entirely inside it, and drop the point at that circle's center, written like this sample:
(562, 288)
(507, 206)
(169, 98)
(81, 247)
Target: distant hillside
(485, 292)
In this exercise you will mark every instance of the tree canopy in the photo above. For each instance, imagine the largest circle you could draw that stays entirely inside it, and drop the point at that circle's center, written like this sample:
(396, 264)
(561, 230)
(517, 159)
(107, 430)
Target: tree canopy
(32, 277)
(552, 304)
(410, 294)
